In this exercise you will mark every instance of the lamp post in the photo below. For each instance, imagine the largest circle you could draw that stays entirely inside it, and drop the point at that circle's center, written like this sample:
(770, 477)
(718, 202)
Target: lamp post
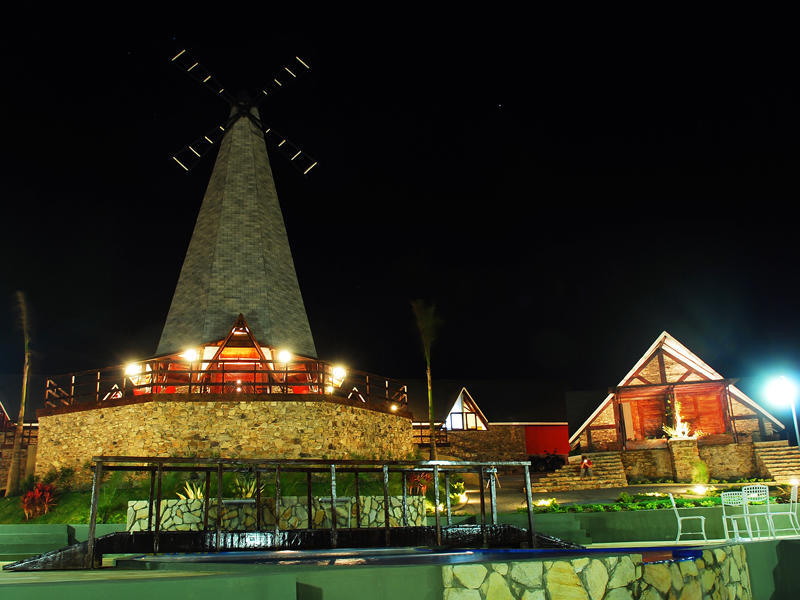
(782, 391)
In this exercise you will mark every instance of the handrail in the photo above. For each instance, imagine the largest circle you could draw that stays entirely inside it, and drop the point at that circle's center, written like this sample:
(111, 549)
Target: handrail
(223, 376)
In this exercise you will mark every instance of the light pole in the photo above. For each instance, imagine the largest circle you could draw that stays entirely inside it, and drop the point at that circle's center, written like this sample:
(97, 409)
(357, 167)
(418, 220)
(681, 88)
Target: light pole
(782, 391)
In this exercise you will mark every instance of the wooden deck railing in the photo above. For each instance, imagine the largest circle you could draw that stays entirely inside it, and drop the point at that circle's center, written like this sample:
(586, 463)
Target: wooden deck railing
(260, 377)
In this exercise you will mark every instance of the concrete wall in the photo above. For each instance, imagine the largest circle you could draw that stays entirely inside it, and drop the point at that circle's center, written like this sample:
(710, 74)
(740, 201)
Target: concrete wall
(238, 426)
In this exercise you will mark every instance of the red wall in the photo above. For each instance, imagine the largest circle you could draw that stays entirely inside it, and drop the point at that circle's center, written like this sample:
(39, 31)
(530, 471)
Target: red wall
(542, 439)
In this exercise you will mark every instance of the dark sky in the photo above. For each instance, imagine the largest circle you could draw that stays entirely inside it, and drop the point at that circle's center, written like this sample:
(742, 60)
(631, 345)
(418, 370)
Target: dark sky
(563, 195)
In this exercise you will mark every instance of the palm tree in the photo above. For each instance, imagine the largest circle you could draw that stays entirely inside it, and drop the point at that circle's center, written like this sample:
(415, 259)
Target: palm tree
(427, 323)
(12, 483)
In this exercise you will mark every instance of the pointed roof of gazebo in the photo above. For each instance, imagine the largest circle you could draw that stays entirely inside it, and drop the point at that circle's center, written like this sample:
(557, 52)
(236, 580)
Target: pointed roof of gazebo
(239, 260)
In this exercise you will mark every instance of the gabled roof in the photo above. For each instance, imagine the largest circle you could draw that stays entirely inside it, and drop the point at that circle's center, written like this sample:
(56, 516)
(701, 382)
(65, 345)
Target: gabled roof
(466, 398)
(508, 400)
(668, 361)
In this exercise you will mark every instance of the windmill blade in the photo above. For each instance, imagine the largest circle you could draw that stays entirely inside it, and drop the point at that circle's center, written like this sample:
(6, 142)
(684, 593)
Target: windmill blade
(299, 159)
(186, 63)
(188, 156)
(286, 76)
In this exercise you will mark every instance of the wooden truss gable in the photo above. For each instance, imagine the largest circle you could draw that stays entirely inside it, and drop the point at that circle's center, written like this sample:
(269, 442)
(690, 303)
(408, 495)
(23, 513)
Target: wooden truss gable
(663, 366)
(667, 362)
(239, 336)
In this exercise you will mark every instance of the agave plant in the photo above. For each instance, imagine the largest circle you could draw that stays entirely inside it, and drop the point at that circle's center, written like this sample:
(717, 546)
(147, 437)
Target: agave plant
(194, 491)
(245, 487)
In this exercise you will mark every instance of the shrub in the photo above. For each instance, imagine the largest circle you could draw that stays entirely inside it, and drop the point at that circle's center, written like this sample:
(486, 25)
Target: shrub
(27, 484)
(625, 498)
(38, 501)
(66, 478)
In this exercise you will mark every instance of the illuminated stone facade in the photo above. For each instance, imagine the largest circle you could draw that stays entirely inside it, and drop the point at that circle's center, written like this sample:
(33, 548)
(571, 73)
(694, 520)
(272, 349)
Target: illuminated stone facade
(236, 426)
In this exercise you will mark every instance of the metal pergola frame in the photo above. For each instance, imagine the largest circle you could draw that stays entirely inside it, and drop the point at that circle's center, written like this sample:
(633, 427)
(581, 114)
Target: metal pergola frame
(157, 466)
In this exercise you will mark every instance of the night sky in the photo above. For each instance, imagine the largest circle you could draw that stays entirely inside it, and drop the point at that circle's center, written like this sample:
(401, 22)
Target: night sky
(562, 196)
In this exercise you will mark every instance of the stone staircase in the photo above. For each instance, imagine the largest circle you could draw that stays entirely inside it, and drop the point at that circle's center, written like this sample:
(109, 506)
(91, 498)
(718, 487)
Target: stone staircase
(608, 471)
(778, 460)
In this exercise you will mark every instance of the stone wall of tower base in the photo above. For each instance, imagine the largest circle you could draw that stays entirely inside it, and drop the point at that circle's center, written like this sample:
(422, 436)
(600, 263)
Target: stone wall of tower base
(231, 427)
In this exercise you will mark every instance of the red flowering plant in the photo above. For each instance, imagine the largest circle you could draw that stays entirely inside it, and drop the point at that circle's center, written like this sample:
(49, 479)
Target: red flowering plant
(418, 482)
(38, 501)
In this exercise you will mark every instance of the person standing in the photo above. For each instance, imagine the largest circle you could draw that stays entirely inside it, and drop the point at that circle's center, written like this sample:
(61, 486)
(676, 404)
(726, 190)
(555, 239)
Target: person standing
(586, 467)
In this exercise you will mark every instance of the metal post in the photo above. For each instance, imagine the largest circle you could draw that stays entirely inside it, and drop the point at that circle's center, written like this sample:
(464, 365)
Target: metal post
(97, 392)
(219, 503)
(358, 504)
(207, 500)
(386, 501)
(405, 500)
(310, 501)
(493, 493)
(447, 496)
(277, 504)
(258, 499)
(529, 500)
(438, 516)
(96, 481)
(483, 506)
(150, 502)
(158, 509)
(333, 506)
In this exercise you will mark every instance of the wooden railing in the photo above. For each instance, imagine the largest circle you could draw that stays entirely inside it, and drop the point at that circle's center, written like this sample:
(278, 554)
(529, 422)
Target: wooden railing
(422, 434)
(261, 377)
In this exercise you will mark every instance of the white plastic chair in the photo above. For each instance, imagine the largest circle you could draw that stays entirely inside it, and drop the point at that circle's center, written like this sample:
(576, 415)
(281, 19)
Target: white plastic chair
(790, 513)
(758, 494)
(681, 519)
(731, 501)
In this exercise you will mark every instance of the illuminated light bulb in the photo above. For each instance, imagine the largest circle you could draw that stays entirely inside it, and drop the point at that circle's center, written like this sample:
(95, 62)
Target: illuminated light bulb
(463, 498)
(700, 490)
(238, 389)
(793, 482)
(339, 372)
(394, 407)
(238, 382)
(133, 369)
(328, 389)
(284, 356)
(191, 355)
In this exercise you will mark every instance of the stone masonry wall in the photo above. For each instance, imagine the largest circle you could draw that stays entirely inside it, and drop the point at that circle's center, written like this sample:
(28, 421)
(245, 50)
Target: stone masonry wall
(186, 425)
(749, 426)
(655, 463)
(238, 515)
(720, 573)
(498, 442)
(684, 456)
(602, 439)
(730, 460)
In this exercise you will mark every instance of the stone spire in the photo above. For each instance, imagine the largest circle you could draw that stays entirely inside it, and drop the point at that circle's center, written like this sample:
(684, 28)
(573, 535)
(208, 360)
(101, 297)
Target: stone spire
(239, 260)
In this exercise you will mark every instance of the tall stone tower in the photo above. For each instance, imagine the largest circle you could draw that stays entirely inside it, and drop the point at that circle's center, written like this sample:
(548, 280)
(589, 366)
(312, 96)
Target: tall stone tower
(239, 260)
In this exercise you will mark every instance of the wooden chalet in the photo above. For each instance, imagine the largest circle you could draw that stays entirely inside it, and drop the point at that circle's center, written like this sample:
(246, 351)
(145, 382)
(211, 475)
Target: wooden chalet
(672, 386)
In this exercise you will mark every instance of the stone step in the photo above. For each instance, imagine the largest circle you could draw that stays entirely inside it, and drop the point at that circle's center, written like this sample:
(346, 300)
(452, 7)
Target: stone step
(771, 444)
